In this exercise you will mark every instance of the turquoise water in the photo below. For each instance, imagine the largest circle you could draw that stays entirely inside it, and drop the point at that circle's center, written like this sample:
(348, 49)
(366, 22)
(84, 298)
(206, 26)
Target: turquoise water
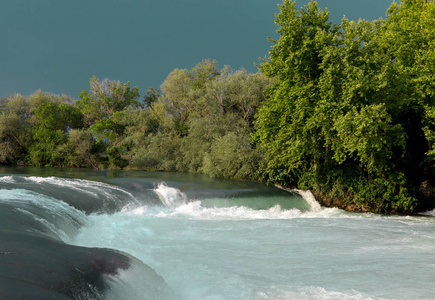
(190, 237)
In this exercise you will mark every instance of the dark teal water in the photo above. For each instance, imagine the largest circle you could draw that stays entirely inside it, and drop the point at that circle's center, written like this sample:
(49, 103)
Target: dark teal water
(57, 45)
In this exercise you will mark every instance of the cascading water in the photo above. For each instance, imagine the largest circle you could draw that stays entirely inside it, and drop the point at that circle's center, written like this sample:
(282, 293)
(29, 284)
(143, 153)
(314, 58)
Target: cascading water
(50, 216)
(309, 197)
(202, 240)
(169, 196)
(85, 195)
(36, 262)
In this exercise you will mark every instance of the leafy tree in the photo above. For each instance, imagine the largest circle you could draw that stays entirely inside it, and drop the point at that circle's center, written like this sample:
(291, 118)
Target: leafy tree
(80, 150)
(15, 129)
(15, 135)
(232, 156)
(103, 109)
(161, 153)
(182, 127)
(139, 125)
(29, 126)
(17, 104)
(105, 98)
(345, 115)
(52, 122)
(151, 96)
(182, 92)
(290, 139)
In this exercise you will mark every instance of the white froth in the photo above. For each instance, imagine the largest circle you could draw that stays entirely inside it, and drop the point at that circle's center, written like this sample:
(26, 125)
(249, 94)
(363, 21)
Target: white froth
(7, 179)
(170, 197)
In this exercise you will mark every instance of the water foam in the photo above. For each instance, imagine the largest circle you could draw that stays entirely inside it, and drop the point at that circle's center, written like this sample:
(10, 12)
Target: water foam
(314, 293)
(85, 195)
(170, 197)
(429, 213)
(309, 197)
(195, 210)
(94, 188)
(7, 179)
(177, 205)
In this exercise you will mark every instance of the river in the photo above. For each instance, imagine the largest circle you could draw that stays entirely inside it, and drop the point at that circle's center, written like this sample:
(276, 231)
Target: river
(86, 234)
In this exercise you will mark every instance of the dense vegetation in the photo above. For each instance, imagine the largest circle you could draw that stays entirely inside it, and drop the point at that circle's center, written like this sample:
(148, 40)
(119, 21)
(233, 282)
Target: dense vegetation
(351, 114)
(346, 110)
(199, 121)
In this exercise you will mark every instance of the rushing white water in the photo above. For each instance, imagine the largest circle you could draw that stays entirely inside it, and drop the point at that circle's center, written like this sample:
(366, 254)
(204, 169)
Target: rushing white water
(309, 197)
(92, 188)
(243, 253)
(203, 247)
(170, 197)
(429, 213)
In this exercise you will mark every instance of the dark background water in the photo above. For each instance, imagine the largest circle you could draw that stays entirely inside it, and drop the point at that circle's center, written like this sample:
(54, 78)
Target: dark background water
(57, 45)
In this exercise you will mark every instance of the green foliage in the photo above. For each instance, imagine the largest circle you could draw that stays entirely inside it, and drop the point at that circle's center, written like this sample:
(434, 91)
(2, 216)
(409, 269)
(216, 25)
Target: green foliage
(368, 135)
(80, 150)
(232, 156)
(200, 122)
(14, 137)
(160, 154)
(32, 127)
(182, 96)
(52, 122)
(114, 155)
(105, 98)
(43, 151)
(55, 116)
(151, 96)
(104, 109)
(348, 103)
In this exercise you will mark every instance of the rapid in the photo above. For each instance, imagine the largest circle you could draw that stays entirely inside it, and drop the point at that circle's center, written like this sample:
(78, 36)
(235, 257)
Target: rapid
(139, 235)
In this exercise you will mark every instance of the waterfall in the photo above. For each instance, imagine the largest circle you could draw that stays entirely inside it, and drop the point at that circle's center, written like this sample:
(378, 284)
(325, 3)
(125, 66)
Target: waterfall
(309, 197)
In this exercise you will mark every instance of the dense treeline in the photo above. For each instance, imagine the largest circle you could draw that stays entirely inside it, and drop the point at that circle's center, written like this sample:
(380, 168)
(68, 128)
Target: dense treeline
(346, 110)
(351, 114)
(199, 121)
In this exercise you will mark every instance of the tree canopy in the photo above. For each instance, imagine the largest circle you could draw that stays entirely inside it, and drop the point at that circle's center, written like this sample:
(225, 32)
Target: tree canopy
(349, 114)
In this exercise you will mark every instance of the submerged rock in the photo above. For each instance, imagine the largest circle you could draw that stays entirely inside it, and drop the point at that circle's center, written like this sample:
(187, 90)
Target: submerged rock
(36, 267)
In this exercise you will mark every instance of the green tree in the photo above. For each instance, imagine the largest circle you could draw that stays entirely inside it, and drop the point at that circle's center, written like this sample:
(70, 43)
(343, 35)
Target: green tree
(52, 122)
(345, 116)
(198, 112)
(15, 134)
(80, 150)
(181, 96)
(103, 109)
(232, 156)
(15, 129)
(292, 142)
(105, 98)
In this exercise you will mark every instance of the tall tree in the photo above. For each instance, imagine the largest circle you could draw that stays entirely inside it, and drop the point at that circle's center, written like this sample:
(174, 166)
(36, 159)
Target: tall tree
(103, 109)
(345, 113)
(105, 98)
(52, 123)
